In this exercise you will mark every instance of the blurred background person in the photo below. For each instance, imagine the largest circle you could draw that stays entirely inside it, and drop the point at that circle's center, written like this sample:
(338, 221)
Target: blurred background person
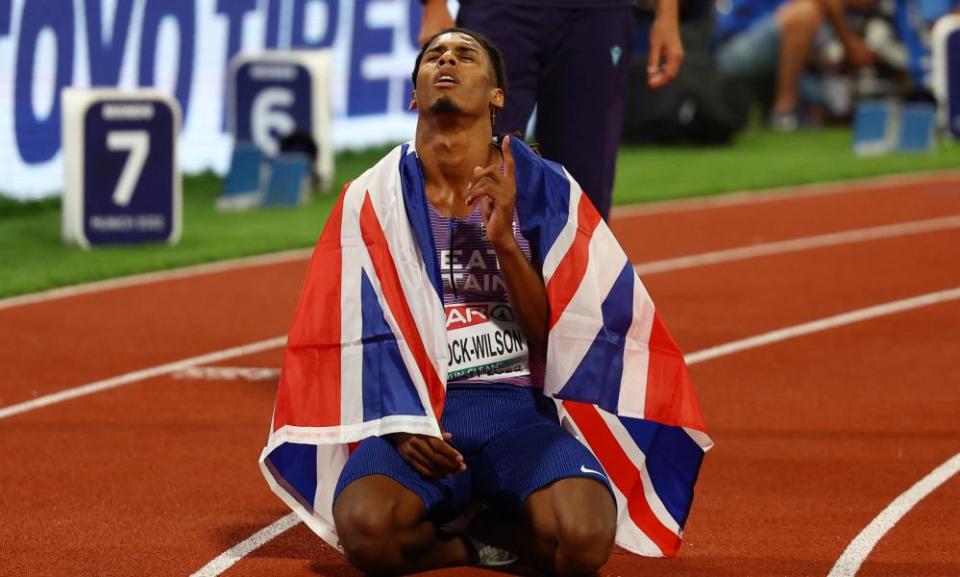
(758, 40)
(570, 60)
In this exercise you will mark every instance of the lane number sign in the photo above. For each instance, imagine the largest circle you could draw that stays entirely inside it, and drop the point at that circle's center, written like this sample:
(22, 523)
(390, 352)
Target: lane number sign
(122, 182)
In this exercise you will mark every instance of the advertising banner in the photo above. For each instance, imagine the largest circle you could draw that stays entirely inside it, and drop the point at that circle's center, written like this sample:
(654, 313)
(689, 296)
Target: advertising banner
(183, 48)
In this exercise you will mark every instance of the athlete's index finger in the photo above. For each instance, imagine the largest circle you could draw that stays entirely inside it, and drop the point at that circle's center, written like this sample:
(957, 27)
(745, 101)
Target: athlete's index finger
(507, 154)
(445, 449)
(446, 456)
(480, 173)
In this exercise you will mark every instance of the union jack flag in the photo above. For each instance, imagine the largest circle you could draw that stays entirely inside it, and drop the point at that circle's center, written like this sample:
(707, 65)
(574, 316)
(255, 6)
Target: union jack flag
(367, 353)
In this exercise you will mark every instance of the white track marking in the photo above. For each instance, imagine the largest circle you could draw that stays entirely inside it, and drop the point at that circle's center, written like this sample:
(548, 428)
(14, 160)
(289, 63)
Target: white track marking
(858, 235)
(157, 276)
(799, 244)
(784, 193)
(263, 536)
(823, 324)
(678, 205)
(833, 239)
(135, 376)
(228, 373)
(857, 551)
(247, 546)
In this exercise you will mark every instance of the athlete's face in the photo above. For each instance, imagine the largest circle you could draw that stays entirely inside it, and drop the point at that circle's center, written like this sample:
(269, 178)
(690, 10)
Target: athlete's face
(456, 77)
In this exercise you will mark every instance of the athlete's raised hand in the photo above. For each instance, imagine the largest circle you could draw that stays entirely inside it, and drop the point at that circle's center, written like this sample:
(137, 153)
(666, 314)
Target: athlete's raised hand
(496, 189)
(431, 457)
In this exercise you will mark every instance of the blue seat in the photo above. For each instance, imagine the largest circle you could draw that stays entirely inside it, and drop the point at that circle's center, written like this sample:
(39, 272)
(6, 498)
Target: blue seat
(917, 128)
(875, 127)
(241, 188)
(288, 182)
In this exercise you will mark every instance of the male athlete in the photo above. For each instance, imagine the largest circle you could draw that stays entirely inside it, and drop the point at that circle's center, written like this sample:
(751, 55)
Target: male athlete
(394, 488)
(475, 373)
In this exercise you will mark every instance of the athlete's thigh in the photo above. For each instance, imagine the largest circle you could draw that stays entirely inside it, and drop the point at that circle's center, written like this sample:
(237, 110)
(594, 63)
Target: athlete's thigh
(377, 501)
(376, 475)
(572, 506)
(532, 454)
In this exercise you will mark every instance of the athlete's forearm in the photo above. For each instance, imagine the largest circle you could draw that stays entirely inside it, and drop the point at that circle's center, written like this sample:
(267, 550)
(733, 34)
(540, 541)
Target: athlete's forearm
(527, 295)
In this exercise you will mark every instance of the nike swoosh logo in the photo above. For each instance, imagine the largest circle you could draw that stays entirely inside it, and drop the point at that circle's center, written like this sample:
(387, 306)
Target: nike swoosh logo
(584, 469)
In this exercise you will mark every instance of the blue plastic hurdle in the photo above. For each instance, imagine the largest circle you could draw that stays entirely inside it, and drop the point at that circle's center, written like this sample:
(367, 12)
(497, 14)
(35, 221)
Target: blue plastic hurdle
(875, 127)
(241, 188)
(288, 181)
(917, 128)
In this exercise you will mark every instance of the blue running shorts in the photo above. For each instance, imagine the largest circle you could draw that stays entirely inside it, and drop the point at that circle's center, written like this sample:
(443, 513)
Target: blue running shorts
(510, 439)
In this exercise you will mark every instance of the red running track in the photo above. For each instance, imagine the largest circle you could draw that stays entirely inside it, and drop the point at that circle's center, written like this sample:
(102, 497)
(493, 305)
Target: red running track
(816, 435)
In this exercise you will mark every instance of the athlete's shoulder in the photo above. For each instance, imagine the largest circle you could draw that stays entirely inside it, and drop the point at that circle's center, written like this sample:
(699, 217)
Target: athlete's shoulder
(383, 171)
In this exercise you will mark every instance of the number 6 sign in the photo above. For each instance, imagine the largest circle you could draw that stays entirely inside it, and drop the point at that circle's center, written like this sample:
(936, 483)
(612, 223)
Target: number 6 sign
(274, 94)
(122, 182)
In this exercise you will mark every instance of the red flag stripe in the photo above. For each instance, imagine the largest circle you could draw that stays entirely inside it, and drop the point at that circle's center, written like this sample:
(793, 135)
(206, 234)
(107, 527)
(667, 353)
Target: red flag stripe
(386, 269)
(670, 397)
(623, 474)
(566, 279)
(310, 356)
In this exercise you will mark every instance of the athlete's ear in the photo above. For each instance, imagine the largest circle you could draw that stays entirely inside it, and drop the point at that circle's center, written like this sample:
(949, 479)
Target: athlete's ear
(413, 101)
(497, 98)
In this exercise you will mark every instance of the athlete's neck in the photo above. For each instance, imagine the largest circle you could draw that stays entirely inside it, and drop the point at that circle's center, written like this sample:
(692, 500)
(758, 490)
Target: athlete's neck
(449, 150)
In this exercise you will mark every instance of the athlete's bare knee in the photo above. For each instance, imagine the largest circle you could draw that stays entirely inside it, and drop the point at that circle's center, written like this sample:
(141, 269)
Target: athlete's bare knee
(370, 528)
(366, 532)
(583, 545)
(577, 526)
(574, 540)
(363, 520)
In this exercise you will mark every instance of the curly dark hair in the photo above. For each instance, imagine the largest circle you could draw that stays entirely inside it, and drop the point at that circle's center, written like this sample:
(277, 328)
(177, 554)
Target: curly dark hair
(499, 67)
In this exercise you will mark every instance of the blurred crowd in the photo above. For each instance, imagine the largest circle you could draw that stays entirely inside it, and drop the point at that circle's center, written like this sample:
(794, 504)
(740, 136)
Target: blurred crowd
(802, 63)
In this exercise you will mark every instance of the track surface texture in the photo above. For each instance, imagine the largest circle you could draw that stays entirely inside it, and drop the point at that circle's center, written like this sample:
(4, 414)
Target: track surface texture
(151, 469)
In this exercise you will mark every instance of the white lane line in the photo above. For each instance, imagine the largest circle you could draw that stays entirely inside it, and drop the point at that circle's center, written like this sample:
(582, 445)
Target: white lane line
(857, 551)
(692, 358)
(247, 546)
(833, 239)
(126, 379)
(268, 533)
(157, 276)
(677, 205)
(749, 197)
(799, 244)
(823, 324)
(228, 373)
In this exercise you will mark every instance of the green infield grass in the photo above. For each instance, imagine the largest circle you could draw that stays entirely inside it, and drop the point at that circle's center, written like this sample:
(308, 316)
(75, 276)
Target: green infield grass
(33, 258)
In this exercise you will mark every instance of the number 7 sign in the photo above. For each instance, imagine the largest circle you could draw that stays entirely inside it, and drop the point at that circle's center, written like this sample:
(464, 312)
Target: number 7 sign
(137, 143)
(122, 182)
